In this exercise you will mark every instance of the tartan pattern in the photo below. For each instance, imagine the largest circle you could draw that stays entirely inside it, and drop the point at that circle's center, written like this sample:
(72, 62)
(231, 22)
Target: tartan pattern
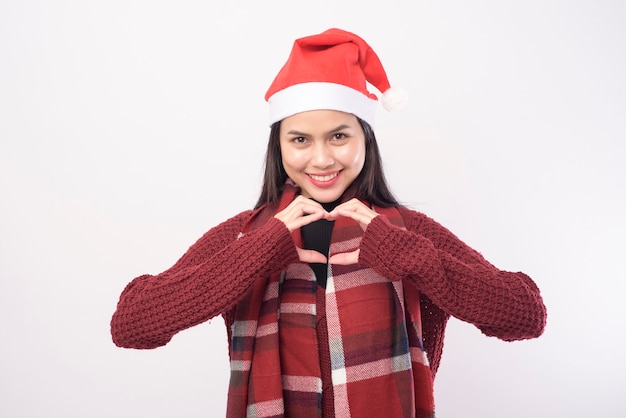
(379, 367)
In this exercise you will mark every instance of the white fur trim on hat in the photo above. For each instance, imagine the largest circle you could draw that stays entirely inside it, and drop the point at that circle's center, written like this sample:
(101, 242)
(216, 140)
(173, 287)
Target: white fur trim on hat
(321, 95)
(394, 98)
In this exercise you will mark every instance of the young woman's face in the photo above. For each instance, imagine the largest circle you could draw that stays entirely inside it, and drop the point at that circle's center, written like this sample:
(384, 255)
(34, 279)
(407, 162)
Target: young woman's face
(322, 151)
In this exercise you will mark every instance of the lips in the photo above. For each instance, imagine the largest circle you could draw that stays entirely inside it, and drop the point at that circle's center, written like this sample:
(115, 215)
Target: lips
(325, 180)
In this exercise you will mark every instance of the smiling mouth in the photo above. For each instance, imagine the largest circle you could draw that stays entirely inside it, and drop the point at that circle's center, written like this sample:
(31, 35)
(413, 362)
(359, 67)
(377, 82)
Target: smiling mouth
(328, 177)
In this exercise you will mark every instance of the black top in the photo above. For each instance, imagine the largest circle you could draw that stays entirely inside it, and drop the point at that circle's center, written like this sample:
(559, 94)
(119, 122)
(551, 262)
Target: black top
(316, 236)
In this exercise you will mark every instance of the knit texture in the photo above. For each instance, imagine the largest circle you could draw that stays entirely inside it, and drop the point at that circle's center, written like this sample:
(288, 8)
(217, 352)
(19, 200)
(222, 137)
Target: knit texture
(218, 270)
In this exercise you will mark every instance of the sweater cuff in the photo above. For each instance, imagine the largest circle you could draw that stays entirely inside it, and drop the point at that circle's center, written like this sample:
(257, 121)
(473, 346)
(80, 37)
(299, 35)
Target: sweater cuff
(284, 248)
(373, 249)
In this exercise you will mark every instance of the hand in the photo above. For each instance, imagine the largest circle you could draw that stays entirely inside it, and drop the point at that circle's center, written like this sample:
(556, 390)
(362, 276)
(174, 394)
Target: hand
(356, 210)
(363, 215)
(300, 212)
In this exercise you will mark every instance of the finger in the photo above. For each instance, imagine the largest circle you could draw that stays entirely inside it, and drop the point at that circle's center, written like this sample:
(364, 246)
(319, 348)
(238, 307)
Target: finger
(301, 211)
(345, 259)
(310, 256)
(303, 219)
(363, 217)
(300, 206)
(353, 205)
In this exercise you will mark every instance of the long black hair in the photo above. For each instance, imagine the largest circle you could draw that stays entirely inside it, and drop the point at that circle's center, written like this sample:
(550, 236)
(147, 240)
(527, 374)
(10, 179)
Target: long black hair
(370, 185)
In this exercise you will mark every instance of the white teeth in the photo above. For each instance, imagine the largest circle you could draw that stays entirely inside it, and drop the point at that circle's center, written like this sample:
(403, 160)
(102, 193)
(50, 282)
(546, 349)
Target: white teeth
(323, 178)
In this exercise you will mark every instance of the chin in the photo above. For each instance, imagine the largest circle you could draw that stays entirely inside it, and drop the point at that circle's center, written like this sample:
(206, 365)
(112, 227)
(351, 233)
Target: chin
(325, 197)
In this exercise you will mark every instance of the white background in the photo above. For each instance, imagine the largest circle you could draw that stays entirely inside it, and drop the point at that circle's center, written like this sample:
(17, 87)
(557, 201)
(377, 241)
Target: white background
(129, 128)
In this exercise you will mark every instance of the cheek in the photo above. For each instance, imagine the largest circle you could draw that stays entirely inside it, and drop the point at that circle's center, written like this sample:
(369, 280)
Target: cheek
(293, 159)
(354, 157)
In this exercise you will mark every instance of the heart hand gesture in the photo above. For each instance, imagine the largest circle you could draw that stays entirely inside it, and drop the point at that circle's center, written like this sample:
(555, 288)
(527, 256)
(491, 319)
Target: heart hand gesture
(303, 211)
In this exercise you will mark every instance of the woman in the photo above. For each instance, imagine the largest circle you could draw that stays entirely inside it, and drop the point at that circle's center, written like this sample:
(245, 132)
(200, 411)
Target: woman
(335, 297)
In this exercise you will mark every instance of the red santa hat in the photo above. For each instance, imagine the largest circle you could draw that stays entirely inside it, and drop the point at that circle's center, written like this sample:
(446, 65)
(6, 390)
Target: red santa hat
(330, 71)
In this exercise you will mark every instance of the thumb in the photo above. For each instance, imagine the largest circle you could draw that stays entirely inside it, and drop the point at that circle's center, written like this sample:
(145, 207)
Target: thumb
(345, 258)
(310, 256)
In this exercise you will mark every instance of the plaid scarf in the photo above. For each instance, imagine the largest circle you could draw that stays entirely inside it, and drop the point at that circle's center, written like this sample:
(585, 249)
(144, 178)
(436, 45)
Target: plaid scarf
(379, 367)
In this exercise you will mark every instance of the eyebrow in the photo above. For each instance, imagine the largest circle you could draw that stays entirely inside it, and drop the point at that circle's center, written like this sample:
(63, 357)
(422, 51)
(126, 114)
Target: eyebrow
(332, 131)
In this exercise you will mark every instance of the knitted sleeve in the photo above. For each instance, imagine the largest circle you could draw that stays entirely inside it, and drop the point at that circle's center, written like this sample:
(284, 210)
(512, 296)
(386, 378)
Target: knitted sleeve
(454, 277)
(209, 279)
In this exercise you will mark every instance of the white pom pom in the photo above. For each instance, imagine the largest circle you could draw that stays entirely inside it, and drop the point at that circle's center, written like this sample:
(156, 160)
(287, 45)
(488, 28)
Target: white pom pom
(394, 98)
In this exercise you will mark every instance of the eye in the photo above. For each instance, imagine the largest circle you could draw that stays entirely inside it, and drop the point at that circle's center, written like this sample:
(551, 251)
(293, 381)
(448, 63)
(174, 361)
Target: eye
(339, 136)
(299, 140)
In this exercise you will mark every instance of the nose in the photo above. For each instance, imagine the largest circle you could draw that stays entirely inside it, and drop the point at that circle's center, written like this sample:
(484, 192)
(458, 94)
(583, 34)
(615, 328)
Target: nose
(322, 156)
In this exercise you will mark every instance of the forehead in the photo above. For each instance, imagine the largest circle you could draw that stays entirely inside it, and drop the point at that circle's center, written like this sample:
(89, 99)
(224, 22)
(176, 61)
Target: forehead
(318, 121)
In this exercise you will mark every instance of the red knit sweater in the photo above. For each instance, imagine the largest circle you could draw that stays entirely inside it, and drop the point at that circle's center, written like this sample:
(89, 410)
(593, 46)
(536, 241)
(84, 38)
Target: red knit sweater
(212, 276)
